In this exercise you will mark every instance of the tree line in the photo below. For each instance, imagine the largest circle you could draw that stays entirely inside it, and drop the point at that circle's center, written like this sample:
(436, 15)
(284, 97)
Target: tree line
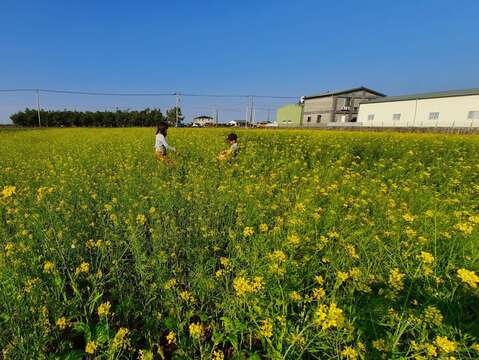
(118, 118)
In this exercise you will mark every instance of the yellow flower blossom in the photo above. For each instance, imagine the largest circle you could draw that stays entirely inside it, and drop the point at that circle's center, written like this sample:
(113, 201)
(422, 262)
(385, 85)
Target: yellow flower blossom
(319, 294)
(62, 323)
(432, 315)
(170, 284)
(342, 276)
(468, 277)
(217, 355)
(244, 286)
(140, 219)
(120, 340)
(196, 330)
(8, 191)
(380, 345)
(84, 267)
(48, 267)
(145, 355)
(396, 280)
(349, 353)
(445, 345)
(328, 316)
(248, 231)
(171, 337)
(104, 309)
(263, 228)
(266, 328)
(295, 296)
(90, 347)
(426, 257)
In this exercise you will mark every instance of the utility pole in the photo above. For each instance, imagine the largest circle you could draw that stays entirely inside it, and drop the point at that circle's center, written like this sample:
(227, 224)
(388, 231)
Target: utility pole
(246, 117)
(38, 109)
(251, 110)
(177, 107)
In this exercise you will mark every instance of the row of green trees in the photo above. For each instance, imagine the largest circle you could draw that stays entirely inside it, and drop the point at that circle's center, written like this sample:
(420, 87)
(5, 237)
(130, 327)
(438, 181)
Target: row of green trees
(118, 118)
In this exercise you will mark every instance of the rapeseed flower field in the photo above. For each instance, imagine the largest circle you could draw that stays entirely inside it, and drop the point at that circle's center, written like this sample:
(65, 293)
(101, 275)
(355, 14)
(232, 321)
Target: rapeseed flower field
(317, 245)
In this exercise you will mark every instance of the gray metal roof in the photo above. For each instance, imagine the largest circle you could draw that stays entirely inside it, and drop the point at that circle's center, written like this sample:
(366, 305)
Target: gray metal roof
(430, 95)
(331, 93)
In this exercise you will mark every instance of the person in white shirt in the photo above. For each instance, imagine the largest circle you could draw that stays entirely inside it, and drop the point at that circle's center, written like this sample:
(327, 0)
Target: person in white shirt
(161, 146)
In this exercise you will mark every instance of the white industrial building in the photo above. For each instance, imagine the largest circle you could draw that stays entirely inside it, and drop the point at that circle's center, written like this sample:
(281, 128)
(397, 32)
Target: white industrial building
(457, 109)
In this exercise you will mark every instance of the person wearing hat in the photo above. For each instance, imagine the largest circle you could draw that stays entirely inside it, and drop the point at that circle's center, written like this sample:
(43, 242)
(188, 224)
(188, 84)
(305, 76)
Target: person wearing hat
(232, 152)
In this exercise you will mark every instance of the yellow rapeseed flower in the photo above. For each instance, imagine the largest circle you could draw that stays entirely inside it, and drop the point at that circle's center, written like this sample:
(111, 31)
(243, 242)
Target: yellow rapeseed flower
(196, 330)
(248, 231)
(84, 267)
(266, 328)
(224, 261)
(295, 296)
(426, 257)
(446, 345)
(140, 219)
(145, 355)
(396, 280)
(244, 286)
(342, 276)
(48, 267)
(104, 309)
(8, 191)
(170, 284)
(217, 355)
(319, 293)
(293, 240)
(349, 353)
(328, 316)
(171, 337)
(120, 339)
(62, 323)
(468, 277)
(380, 345)
(432, 315)
(263, 228)
(90, 347)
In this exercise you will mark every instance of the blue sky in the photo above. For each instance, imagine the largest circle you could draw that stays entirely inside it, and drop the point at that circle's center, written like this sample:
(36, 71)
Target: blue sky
(234, 47)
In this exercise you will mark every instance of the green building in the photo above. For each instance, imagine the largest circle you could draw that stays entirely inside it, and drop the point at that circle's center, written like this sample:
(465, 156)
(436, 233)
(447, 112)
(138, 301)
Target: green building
(289, 115)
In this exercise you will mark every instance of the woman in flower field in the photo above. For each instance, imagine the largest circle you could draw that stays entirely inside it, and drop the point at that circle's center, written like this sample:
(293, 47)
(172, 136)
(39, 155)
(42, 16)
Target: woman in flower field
(232, 152)
(161, 146)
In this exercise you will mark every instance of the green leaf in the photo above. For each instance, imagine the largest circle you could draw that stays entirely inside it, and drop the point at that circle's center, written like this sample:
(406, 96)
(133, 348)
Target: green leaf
(84, 329)
(171, 323)
(102, 333)
(74, 355)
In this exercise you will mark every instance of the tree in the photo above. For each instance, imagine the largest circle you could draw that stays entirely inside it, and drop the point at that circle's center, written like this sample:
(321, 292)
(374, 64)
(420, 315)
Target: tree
(171, 116)
(118, 118)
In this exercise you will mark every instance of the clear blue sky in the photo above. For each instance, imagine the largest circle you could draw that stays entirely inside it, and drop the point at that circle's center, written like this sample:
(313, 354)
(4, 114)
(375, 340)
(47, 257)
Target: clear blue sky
(261, 47)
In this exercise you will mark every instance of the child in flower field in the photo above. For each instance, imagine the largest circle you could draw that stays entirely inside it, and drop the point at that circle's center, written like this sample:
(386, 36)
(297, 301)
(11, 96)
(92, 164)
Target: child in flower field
(233, 151)
(161, 146)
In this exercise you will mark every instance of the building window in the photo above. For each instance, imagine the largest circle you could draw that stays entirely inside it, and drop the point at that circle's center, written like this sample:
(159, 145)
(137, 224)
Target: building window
(473, 115)
(370, 117)
(347, 102)
(396, 117)
(433, 115)
(318, 118)
(309, 119)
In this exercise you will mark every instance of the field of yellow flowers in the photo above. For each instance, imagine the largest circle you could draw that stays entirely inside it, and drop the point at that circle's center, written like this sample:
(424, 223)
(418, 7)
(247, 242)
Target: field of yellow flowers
(313, 245)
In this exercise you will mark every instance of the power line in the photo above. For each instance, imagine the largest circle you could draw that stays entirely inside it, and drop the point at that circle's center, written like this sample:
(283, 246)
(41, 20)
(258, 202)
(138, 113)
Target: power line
(93, 93)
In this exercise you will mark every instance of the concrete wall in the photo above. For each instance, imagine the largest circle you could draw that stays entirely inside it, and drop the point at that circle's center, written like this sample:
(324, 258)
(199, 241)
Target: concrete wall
(324, 105)
(453, 112)
(289, 115)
